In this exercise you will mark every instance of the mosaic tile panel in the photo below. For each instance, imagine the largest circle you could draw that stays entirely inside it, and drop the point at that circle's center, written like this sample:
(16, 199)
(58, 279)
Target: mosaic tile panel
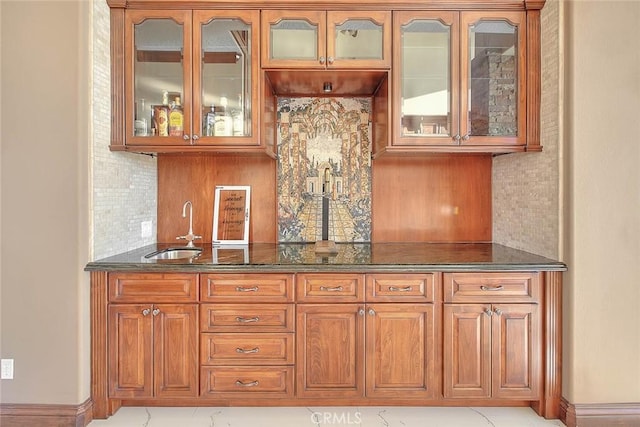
(324, 151)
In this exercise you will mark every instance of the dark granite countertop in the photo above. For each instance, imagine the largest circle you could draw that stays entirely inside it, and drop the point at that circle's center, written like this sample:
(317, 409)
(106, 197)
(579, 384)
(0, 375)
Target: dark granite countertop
(351, 257)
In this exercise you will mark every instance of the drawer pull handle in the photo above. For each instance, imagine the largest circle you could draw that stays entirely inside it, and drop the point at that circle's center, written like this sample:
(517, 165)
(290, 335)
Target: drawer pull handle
(247, 319)
(240, 383)
(492, 288)
(400, 288)
(245, 289)
(243, 351)
(331, 288)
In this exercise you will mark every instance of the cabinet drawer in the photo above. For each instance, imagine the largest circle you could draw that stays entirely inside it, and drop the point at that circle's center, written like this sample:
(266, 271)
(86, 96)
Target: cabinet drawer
(402, 287)
(492, 287)
(247, 317)
(268, 381)
(247, 349)
(330, 287)
(247, 287)
(153, 287)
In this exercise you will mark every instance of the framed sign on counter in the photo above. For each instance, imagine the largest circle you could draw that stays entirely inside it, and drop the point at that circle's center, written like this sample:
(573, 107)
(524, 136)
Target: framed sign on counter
(231, 211)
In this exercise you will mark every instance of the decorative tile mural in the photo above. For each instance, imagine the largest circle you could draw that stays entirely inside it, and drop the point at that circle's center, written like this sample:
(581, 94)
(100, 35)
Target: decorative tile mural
(324, 151)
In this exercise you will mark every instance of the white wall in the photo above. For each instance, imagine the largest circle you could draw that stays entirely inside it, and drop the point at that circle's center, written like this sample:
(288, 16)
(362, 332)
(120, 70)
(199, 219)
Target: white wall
(602, 143)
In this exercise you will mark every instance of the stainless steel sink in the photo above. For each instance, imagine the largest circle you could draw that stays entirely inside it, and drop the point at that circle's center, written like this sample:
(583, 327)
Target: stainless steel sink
(175, 253)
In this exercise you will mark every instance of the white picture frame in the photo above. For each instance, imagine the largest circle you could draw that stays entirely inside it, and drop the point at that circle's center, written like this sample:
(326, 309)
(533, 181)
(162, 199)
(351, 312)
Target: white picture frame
(231, 214)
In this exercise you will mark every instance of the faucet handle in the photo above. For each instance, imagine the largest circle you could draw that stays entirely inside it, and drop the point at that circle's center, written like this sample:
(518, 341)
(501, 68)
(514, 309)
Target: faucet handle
(189, 238)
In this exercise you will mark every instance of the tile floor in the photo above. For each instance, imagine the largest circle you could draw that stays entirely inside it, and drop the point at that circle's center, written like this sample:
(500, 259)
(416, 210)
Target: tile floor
(325, 417)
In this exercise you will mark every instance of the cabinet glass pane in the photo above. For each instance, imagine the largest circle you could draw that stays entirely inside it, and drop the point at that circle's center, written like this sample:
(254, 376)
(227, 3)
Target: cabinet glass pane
(358, 39)
(425, 80)
(226, 78)
(294, 39)
(493, 79)
(158, 75)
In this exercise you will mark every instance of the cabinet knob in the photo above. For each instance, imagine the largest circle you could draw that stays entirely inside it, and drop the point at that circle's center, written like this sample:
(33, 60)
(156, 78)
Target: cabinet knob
(456, 138)
(497, 311)
(330, 60)
(186, 137)
(322, 60)
(466, 137)
(488, 312)
(361, 312)
(156, 311)
(194, 139)
(146, 311)
(372, 312)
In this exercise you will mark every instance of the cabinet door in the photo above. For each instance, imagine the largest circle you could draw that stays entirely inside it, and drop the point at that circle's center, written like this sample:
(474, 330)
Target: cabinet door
(467, 350)
(157, 71)
(493, 73)
(130, 351)
(293, 39)
(400, 345)
(426, 76)
(330, 350)
(175, 350)
(225, 77)
(516, 351)
(359, 39)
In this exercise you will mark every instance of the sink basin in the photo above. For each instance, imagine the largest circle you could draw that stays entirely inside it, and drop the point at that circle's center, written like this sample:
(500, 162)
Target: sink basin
(175, 253)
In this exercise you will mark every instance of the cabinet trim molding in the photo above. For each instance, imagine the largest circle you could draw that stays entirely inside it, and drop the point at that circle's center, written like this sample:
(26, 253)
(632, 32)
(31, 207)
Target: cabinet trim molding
(599, 414)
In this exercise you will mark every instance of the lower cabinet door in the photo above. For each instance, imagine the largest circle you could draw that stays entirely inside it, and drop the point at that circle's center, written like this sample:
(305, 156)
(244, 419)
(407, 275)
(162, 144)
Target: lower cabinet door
(330, 350)
(401, 348)
(467, 351)
(175, 350)
(130, 357)
(247, 382)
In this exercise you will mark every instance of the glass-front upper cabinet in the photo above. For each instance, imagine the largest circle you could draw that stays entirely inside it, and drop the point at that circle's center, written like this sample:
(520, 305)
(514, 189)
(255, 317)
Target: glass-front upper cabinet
(191, 78)
(318, 39)
(157, 77)
(493, 67)
(225, 75)
(459, 79)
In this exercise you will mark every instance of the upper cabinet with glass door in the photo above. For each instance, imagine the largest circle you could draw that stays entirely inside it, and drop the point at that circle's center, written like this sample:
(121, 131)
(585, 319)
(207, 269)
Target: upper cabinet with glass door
(191, 80)
(460, 82)
(320, 40)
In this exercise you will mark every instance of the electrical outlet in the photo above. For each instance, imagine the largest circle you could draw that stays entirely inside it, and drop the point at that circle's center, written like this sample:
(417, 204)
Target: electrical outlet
(145, 229)
(7, 369)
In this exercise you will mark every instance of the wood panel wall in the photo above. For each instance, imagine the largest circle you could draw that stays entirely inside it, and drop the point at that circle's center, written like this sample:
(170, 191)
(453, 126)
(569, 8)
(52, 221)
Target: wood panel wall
(436, 198)
(183, 177)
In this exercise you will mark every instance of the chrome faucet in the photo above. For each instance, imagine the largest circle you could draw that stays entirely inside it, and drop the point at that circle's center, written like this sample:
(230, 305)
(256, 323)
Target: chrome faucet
(189, 237)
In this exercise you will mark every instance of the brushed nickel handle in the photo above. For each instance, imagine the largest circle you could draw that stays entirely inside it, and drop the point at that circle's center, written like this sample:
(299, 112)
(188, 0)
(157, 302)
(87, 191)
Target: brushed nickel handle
(247, 319)
(372, 312)
(246, 289)
(156, 311)
(330, 60)
(497, 311)
(456, 138)
(492, 288)
(243, 351)
(400, 288)
(241, 383)
(331, 288)
(195, 138)
(466, 137)
(322, 60)
(361, 312)
(146, 311)
(488, 312)
(186, 137)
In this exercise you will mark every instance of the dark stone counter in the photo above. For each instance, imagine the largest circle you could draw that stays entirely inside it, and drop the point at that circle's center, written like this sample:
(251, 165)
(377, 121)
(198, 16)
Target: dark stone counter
(351, 257)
